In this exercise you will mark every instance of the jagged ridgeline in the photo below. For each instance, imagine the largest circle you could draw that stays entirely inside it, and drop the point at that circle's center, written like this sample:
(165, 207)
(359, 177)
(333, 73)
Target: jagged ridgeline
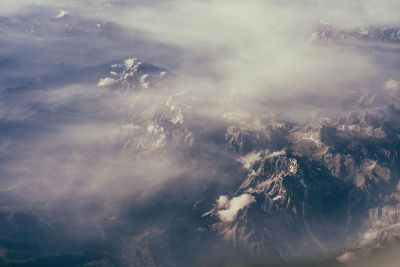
(386, 33)
(247, 187)
(326, 190)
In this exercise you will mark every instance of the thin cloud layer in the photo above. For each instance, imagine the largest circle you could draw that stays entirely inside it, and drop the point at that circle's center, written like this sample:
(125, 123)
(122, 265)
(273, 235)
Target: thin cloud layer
(77, 143)
(260, 49)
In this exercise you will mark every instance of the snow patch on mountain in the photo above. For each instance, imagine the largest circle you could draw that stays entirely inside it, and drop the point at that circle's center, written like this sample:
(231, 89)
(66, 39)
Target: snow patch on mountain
(133, 74)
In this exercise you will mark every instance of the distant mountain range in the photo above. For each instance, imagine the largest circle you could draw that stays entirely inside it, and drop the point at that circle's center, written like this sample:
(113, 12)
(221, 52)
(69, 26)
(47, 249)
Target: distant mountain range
(277, 192)
(297, 190)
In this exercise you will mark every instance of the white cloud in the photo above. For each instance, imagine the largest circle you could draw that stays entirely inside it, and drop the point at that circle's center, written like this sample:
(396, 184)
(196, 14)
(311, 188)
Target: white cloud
(249, 159)
(392, 85)
(62, 13)
(231, 209)
(256, 50)
(106, 82)
(223, 202)
(346, 257)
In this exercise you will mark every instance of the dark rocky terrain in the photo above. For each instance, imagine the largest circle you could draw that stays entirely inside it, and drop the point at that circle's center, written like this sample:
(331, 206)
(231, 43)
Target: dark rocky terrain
(293, 189)
(258, 189)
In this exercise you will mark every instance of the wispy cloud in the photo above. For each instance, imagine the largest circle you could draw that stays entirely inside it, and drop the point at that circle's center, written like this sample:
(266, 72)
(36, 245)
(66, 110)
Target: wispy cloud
(67, 139)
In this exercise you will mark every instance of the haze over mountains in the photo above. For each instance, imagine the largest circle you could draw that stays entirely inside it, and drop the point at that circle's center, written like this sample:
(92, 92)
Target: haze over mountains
(199, 133)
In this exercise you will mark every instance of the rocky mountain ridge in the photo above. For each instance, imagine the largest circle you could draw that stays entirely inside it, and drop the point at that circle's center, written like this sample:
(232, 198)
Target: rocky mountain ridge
(304, 188)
